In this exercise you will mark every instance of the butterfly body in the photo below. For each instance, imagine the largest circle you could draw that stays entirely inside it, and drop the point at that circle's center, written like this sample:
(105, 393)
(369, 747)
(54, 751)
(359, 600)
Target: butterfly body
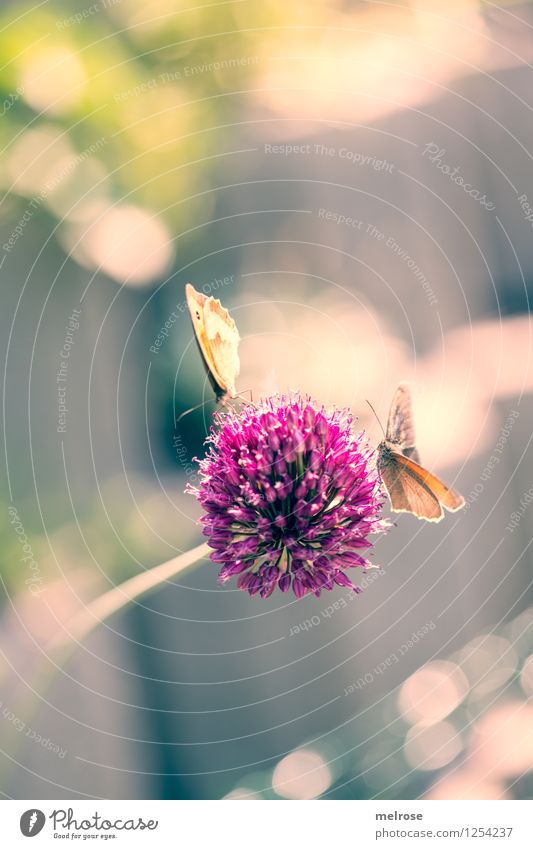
(411, 488)
(218, 340)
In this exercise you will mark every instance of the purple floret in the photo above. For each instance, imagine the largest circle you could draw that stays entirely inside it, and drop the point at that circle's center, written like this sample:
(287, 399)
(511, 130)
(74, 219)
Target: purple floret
(290, 495)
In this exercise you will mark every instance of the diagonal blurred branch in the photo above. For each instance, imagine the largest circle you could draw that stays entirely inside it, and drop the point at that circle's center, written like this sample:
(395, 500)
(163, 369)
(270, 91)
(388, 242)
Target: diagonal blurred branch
(97, 611)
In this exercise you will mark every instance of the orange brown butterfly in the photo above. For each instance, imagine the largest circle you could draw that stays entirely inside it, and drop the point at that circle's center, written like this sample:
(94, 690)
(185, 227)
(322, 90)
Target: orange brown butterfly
(411, 488)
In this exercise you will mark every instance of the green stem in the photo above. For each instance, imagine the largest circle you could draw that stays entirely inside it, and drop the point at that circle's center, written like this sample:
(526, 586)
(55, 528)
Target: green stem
(63, 646)
(97, 611)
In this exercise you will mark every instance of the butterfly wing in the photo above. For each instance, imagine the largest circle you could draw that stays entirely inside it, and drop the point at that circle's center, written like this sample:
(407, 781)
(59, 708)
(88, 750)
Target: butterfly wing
(217, 338)
(408, 492)
(400, 424)
(223, 338)
(413, 489)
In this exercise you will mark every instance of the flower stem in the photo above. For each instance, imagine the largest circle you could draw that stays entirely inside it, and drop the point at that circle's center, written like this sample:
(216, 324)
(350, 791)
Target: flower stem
(64, 645)
(97, 611)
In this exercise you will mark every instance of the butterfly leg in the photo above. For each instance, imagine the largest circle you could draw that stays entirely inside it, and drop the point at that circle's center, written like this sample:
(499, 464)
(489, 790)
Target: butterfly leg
(245, 401)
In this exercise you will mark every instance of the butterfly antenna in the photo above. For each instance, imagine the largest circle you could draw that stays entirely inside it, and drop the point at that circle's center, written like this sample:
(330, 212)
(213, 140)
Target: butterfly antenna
(191, 410)
(377, 417)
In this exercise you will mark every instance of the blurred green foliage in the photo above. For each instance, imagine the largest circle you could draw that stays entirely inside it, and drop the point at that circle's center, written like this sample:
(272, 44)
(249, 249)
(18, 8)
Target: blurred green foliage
(151, 84)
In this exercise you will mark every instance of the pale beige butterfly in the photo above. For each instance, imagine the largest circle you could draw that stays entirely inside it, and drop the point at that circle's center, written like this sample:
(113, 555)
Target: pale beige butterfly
(218, 341)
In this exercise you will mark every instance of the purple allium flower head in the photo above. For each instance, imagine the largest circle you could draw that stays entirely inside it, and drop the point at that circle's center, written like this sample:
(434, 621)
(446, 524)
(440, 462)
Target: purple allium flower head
(290, 497)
